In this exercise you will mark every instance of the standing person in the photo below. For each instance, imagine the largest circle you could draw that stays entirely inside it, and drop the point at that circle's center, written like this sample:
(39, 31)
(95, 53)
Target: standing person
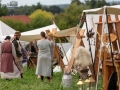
(51, 49)
(8, 67)
(17, 46)
(44, 58)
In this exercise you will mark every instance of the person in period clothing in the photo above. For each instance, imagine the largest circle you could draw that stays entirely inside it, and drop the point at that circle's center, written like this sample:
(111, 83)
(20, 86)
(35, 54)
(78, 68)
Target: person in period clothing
(9, 69)
(31, 49)
(17, 46)
(51, 39)
(44, 57)
(32, 54)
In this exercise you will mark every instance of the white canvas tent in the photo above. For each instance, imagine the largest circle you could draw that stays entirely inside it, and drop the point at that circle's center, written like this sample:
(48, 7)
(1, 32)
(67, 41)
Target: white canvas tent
(5, 30)
(35, 34)
(106, 10)
(100, 11)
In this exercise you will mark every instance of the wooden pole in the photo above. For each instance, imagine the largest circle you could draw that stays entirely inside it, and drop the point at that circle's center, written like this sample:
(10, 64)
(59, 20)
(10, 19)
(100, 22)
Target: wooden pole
(90, 47)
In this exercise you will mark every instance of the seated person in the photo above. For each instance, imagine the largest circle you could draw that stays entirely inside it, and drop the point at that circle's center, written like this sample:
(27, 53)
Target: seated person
(31, 49)
(32, 54)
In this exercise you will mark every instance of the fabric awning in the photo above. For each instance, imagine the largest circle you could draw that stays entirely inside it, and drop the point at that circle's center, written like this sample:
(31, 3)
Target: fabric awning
(110, 10)
(67, 32)
(33, 35)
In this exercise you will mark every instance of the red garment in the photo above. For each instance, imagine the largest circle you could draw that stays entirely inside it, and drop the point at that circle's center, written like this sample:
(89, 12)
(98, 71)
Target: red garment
(7, 57)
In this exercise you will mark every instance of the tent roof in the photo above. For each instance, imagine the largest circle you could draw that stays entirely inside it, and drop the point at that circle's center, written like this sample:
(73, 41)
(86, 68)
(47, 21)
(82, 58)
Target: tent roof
(30, 38)
(5, 29)
(35, 34)
(66, 32)
(37, 31)
(110, 10)
(62, 33)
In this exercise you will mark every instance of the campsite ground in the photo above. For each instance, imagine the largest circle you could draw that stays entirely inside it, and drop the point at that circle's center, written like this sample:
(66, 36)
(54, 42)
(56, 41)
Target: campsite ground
(30, 82)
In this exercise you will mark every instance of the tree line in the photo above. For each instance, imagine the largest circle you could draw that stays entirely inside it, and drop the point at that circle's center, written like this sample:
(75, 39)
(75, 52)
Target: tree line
(42, 15)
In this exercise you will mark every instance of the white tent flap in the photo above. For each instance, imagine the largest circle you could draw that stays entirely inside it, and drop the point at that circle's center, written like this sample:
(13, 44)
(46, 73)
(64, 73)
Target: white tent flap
(5, 30)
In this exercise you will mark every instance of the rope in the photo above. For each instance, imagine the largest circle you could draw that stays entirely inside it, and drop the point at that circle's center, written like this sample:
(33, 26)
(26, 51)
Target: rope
(90, 46)
(94, 26)
(63, 49)
(66, 44)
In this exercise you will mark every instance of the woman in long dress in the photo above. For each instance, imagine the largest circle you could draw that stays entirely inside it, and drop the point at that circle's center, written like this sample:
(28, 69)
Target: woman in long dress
(44, 58)
(50, 38)
(8, 67)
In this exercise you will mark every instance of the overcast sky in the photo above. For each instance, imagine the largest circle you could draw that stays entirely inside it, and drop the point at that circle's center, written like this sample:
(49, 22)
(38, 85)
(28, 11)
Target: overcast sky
(44, 2)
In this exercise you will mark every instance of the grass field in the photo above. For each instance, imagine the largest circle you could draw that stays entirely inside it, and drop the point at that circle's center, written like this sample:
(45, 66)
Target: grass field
(30, 82)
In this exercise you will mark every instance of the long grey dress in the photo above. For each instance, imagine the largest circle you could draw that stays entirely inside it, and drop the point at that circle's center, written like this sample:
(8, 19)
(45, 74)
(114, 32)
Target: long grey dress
(44, 58)
(52, 49)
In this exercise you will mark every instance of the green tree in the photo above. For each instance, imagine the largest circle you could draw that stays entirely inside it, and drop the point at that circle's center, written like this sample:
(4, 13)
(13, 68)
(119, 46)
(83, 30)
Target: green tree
(54, 9)
(17, 25)
(41, 18)
(3, 10)
(70, 17)
(76, 1)
(101, 3)
(91, 3)
(26, 10)
(38, 6)
(96, 3)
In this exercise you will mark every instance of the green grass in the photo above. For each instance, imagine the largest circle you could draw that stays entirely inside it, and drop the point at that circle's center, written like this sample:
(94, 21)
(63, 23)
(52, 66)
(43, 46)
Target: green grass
(30, 82)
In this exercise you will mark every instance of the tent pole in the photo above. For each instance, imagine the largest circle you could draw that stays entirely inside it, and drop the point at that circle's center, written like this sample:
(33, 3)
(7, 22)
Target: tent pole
(114, 73)
(109, 37)
(90, 46)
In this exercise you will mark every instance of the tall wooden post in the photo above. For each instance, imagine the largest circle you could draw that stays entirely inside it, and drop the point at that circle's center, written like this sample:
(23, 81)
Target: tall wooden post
(77, 44)
(98, 42)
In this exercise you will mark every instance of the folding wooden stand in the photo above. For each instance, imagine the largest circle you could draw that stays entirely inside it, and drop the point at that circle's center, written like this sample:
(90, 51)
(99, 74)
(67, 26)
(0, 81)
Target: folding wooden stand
(57, 54)
(56, 50)
(107, 66)
(98, 42)
(77, 44)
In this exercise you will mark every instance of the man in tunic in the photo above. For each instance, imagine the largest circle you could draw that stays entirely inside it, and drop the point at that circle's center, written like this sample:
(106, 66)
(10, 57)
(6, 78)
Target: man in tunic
(17, 46)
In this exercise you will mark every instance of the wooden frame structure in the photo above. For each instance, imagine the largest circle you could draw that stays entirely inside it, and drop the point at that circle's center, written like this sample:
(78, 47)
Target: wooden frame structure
(107, 66)
(78, 42)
